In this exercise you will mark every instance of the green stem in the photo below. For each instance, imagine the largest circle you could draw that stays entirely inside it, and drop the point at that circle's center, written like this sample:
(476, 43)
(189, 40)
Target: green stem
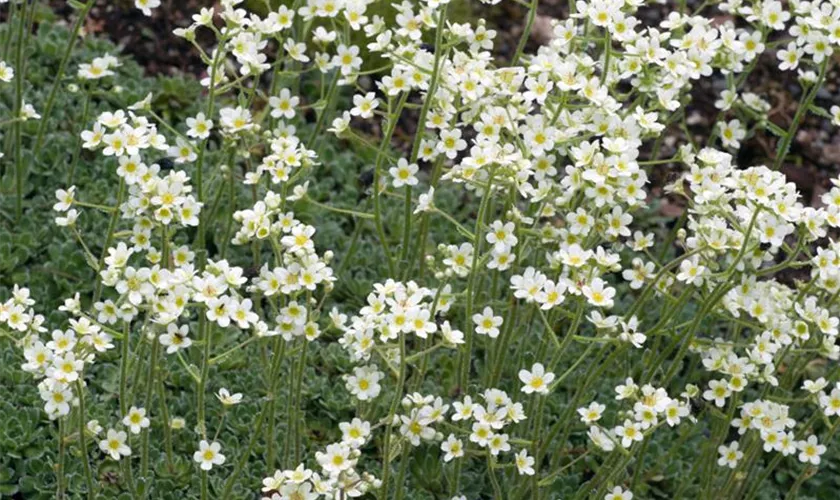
(77, 151)
(62, 66)
(83, 441)
(20, 74)
(199, 164)
(607, 51)
(494, 481)
(377, 175)
(523, 40)
(326, 111)
(59, 470)
(803, 107)
(167, 430)
(124, 358)
(404, 459)
(278, 353)
(345, 211)
(109, 238)
(150, 384)
(466, 354)
(353, 246)
(768, 470)
(406, 226)
(124, 397)
(297, 414)
(202, 383)
(386, 466)
(204, 487)
(535, 449)
(421, 121)
(716, 295)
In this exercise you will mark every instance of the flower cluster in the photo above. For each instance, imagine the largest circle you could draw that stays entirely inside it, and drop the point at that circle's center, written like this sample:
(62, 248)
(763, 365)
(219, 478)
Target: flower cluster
(651, 408)
(547, 280)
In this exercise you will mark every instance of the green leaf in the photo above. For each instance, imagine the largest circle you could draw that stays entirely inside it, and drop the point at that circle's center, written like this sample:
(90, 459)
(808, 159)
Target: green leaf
(820, 111)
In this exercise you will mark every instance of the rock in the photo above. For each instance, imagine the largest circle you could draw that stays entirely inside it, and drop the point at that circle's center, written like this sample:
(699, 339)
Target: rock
(542, 31)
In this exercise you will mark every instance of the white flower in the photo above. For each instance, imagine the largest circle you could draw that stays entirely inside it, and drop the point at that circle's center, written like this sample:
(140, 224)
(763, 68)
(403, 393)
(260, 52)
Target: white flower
(228, 399)
(598, 294)
(790, 57)
(619, 494)
(404, 173)
(93, 137)
(536, 380)
(426, 201)
(731, 133)
(364, 383)
(364, 105)
(830, 402)
(675, 411)
(136, 420)
(296, 51)
(729, 455)
(65, 199)
(335, 459)
(65, 368)
(347, 58)
(208, 455)
(175, 338)
(574, 255)
(487, 324)
(28, 112)
(452, 448)
(498, 443)
(340, 124)
(93, 427)
(718, 392)
(592, 413)
(219, 310)
(199, 126)
(355, 433)
(815, 386)
(629, 432)
(204, 17)
(132, 169)
(451, 143)
(114, 444)
(283, 105)
(297, 476)
(7, 73)
(524, 463)
(57, 397)
(600, 439)
(691, 272)
(68, 219)
(144, 104)
(235, 119)
(501, 235)
(146, 6)
(183, 151)
(450, 335)
(835, 115)
(810, 450)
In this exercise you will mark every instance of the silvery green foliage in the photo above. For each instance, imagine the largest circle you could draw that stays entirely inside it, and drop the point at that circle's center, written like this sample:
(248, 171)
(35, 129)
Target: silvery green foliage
(487, 345)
